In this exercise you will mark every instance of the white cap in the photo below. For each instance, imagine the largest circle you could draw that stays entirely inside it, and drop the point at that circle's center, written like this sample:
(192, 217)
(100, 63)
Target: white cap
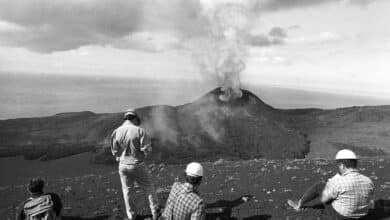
(194, 169)
(130, 112)
(346, 154)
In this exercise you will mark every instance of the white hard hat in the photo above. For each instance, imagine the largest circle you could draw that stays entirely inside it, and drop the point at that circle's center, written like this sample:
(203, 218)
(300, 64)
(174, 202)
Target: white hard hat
(194, 169)
(130, 112)
(346, 154)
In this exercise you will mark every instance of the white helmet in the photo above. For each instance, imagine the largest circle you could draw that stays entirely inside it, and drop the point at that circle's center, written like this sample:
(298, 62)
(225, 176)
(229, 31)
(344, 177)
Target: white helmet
(194, 169)
(346, 154)
(130, 112)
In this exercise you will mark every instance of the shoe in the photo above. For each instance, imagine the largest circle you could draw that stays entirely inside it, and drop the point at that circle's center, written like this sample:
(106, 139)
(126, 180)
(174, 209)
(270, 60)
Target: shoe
(295, 205)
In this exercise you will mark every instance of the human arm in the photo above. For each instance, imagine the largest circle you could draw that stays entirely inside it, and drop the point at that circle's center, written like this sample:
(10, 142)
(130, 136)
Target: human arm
(114, 146)
(199, 213)
(146, 144)
(20, 212)
(171, 197)
(57, 203)
(229, 203)
(330, 192)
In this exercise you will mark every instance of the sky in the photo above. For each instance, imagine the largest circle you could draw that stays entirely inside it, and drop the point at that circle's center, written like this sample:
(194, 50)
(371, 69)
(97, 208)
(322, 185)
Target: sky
(339, 46)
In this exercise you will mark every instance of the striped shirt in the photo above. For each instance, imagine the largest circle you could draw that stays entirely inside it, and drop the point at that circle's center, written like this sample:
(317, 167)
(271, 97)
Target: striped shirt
(130, 143)
(184, 203)
(350, 193)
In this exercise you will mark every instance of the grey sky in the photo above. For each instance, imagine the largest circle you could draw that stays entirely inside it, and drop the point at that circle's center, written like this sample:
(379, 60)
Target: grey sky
(338, 45)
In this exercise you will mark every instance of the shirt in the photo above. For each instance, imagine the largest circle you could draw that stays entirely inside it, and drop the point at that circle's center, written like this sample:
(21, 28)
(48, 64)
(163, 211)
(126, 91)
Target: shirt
(130, 143)
(350, 193)
(184, 203)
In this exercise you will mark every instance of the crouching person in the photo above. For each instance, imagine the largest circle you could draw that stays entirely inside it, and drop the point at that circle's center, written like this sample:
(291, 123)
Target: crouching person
(40, 206)
(184, 202)
(346, 195)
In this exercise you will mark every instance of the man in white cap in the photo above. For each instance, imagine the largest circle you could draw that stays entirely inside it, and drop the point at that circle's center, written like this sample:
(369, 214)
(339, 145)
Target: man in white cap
(346, 195)
(184, 202)
(130, 146)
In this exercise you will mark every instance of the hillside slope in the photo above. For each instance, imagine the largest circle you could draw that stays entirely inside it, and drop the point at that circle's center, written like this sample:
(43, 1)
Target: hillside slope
(208, 128)
(364, 129)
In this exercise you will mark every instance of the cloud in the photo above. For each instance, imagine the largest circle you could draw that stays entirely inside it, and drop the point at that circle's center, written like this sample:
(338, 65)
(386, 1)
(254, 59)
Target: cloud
(271, 5)
(9, 27)
(294, 27)
(276, 36)
(325, 37)
(47, 25)
(63, 25)
(362, 2)
(278, 32)
(149, 41)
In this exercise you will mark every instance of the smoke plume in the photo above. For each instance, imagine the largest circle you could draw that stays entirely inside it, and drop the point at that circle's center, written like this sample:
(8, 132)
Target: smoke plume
(221, 53)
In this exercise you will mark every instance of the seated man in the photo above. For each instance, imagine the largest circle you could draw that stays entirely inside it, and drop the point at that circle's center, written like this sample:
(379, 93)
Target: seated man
(40, 205)
(346, 195)
(184, 202)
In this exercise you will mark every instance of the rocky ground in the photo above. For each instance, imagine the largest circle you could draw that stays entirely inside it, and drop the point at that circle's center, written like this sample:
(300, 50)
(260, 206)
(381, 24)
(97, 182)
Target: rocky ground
(97, 195)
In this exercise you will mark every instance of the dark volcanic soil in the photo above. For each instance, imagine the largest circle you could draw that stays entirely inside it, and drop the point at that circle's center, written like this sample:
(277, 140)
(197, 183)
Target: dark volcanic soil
(94, 192)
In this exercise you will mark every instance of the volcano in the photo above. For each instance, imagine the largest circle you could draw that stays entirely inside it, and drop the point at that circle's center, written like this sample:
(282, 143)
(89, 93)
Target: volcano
(243, 127)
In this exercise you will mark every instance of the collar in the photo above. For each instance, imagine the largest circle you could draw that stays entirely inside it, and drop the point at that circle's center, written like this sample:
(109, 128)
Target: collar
(127, 122)
(349, 171)
(36, 195)
(189, 188)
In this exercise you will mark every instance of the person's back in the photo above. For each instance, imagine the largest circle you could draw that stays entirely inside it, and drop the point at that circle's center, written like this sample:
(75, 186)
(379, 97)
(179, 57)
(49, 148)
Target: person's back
(40, 206)
(354, 192)
(346, 195)
(183, 203)
(129, 143)
(130, 146)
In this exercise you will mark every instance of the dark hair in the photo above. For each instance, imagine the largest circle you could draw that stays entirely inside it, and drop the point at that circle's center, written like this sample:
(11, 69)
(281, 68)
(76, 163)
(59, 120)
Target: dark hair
(134, 119)
(349, 163)
(194, 180)
(36, 185)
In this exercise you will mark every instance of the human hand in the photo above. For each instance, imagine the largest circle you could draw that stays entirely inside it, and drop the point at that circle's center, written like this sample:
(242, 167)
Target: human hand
(246, 198)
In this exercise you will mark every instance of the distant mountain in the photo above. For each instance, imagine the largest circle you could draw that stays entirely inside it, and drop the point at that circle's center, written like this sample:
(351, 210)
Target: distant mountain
(207, 128)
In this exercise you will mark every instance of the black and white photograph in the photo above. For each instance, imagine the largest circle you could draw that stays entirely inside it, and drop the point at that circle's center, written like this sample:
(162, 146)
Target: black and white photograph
(194, 109)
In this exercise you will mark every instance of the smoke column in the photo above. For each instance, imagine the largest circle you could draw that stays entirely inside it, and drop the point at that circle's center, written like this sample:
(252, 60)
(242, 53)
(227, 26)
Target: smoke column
(221, 54)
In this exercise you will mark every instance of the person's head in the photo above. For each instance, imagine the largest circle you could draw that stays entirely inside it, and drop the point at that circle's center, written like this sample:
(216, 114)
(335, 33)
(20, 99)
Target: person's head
(346, 159)
(132, 116)
(194, 173)
(35, 186)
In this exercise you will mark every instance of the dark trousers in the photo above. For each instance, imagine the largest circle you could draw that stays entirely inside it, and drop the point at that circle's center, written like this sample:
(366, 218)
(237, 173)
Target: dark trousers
(312, 199)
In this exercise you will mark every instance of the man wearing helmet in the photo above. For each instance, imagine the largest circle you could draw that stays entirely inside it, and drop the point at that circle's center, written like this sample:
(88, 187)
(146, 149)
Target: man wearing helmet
(346, 195)
(130, 146)
(184, 202)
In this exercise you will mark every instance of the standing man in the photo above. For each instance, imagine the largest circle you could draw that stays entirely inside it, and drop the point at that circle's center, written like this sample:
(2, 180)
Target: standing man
(184, 202)
(130, 146)
(346, 195)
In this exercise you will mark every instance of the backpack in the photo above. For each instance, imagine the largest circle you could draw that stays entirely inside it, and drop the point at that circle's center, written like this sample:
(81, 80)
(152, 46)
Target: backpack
(40, 208)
